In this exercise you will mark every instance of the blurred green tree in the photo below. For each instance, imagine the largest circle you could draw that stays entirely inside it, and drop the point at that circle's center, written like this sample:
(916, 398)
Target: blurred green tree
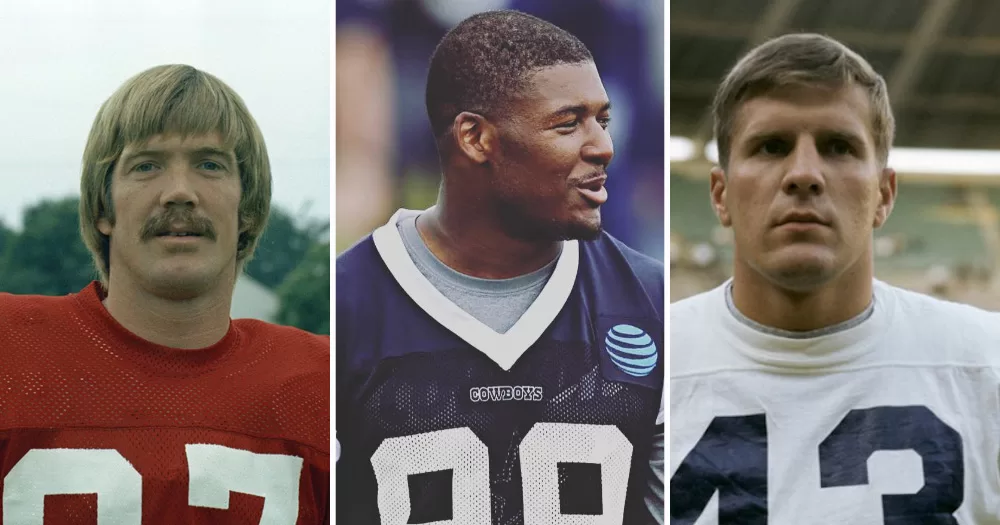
(282, 247)
(6, 235)
(47, 256)
(305, 293)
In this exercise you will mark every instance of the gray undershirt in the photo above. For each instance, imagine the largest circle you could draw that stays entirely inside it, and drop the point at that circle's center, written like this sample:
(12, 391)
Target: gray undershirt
(839, 327)
(497, 303)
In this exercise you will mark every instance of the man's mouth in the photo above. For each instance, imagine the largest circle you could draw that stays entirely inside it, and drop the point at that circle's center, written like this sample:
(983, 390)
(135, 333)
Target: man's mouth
(179, 234)
(593, 190)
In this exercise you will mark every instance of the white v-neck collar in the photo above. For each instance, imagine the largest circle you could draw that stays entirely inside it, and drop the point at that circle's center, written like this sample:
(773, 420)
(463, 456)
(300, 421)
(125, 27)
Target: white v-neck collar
(504, 349)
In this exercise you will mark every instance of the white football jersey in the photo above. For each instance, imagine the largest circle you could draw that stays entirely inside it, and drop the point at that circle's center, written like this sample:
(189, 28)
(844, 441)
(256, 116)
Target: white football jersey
(894, 420)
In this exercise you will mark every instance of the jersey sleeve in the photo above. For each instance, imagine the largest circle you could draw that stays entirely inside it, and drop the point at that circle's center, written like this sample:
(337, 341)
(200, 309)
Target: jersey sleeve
(654, 488)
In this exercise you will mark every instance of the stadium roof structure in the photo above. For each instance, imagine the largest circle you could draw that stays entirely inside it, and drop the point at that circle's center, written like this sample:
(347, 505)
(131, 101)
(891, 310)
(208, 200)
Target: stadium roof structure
(940, 58)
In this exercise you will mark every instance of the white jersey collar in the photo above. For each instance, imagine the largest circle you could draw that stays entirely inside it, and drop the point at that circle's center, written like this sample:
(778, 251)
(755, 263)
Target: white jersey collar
(831, 349)
(504, 349)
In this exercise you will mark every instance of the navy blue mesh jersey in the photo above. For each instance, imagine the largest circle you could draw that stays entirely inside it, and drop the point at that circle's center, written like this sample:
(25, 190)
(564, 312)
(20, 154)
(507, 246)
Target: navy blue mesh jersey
(442, 420)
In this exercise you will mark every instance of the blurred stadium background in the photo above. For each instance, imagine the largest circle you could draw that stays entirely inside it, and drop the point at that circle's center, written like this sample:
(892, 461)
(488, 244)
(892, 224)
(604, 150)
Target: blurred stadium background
(941, 59)
(385, 153)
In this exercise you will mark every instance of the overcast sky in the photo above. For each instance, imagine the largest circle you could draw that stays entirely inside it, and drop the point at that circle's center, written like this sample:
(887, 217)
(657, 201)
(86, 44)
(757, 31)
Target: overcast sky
(60, 60)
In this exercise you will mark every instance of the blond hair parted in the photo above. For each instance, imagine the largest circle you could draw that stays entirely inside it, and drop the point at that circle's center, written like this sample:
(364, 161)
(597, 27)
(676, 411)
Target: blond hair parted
(802, 59)
(174, 99)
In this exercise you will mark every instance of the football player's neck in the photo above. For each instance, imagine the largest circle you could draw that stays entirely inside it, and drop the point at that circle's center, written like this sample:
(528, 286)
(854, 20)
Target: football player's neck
(769, 304)
(466, 239)
(191, 323)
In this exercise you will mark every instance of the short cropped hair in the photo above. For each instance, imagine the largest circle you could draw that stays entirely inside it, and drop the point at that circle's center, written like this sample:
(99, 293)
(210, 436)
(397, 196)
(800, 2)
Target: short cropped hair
(486, 60)
(172, 99)
(805, 60)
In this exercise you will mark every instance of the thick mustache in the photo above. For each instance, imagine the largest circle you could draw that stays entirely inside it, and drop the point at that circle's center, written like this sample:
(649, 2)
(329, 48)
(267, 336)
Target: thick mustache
(163, 222)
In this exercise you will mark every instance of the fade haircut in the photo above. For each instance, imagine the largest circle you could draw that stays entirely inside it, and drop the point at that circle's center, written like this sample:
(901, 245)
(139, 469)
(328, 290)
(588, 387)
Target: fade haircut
(801, 60)
(486, 61)
(172, 99)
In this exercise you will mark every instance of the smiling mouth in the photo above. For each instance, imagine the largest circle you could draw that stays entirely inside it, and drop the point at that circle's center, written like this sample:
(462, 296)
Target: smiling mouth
(594, 191)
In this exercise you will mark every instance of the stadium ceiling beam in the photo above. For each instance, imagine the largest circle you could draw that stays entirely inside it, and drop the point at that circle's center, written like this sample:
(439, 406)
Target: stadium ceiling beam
(709, 28)
(922, 41)
(693, 26)
(774, 19)
(693, 88)
(977, 105)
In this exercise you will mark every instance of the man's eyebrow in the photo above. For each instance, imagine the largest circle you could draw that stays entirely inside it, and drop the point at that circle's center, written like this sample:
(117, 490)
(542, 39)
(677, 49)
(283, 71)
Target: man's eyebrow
(211, 151)
(761, 136)
(141, 153)
(827, 134)
(579, 108)
(198, 152)
(840, 134)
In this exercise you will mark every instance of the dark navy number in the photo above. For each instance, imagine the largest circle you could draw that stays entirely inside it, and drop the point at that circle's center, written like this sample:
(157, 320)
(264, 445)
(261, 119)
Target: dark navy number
(843, 460)
(731, 459)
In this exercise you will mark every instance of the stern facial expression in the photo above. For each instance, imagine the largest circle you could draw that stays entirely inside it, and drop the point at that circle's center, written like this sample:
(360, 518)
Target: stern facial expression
(803, 191)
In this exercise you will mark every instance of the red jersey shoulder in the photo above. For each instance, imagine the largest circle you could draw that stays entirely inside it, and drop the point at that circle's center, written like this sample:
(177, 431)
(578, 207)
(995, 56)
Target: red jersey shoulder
(294, 341)
(297, 368)
(22, 313)
(14, 304)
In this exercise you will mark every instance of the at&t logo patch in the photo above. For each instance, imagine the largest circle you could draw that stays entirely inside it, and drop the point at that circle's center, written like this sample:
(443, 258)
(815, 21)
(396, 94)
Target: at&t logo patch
(631, 349)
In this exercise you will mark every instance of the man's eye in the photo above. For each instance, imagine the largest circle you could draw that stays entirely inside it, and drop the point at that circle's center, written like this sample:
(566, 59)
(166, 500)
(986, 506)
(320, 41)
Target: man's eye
(840, 147)
(774, 147)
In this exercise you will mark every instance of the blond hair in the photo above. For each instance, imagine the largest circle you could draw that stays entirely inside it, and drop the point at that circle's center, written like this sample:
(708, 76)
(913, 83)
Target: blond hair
(172, 99)
(803, 60)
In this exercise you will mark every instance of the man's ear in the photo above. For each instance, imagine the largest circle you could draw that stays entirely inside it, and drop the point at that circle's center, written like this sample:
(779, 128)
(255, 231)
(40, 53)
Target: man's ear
(104, 226)
(717, 191)
(475, 136)
(887, 196)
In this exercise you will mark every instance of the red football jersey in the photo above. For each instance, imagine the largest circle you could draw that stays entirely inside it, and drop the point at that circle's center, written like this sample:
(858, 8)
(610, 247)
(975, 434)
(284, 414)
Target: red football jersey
(99, 426)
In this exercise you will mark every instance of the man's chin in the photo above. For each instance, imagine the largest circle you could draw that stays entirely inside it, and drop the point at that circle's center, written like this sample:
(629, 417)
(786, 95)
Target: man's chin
(585, 226)
(180, 284)
(803, 272)
(584, 231)
(579, 227)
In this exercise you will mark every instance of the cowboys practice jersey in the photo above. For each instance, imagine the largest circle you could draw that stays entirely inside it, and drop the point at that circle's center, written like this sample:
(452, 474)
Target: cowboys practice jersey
(441, 419)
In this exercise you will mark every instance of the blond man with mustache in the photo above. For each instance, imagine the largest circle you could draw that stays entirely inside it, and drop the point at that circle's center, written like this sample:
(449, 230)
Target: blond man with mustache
(140, 388)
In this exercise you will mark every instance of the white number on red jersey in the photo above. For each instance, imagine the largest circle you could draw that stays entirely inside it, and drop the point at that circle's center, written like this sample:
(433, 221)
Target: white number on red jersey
(214, 471)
